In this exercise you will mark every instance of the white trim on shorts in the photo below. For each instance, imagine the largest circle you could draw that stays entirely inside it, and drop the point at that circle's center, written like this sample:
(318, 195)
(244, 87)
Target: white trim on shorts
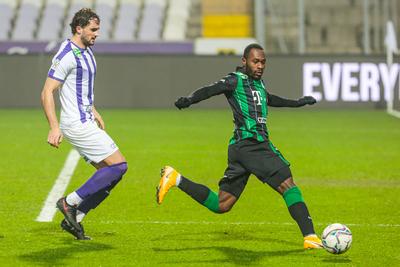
(92, 143)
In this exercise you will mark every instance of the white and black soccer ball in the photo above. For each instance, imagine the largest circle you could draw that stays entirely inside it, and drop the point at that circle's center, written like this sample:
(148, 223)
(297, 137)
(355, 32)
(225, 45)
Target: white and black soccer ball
(337, 238)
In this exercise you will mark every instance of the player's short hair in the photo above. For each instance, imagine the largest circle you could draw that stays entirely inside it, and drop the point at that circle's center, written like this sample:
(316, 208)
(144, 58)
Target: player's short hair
(248, 48)
(82, 18)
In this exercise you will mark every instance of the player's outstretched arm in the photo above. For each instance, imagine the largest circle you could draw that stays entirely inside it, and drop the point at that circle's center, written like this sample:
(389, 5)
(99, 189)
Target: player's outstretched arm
(276, 101)
(55, 136)
(224, 85)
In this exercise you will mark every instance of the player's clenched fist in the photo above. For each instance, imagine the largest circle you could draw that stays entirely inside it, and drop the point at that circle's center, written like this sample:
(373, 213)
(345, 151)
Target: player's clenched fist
(307, 100)
(182, 102)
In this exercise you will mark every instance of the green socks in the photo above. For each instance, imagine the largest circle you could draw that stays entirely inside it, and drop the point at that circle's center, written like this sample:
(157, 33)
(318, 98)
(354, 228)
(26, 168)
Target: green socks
(292, 196)
(212, 202)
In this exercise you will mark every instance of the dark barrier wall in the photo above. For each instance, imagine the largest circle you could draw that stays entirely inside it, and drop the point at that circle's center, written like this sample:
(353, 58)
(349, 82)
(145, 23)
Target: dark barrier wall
(155, 81)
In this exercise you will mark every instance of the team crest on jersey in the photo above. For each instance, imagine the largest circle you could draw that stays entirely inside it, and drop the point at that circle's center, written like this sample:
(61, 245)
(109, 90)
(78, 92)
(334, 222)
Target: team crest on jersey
(55, 64)
(77, 52)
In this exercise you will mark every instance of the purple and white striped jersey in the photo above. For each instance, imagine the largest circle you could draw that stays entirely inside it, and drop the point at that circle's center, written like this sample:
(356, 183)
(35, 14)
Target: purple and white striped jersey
(76, 69)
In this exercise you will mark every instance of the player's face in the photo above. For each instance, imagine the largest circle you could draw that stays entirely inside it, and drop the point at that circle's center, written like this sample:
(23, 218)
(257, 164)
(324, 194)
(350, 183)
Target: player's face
(90, 32)
(255, 63)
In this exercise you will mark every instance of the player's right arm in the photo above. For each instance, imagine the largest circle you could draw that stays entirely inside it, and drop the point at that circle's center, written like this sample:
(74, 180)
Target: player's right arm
(226, 84)
(55, 136)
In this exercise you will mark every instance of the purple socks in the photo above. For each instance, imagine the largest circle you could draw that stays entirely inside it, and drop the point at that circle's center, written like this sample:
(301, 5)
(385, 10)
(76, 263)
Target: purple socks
(103, 178)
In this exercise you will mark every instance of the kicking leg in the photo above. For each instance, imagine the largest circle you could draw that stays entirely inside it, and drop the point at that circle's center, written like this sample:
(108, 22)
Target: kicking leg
(220, 203)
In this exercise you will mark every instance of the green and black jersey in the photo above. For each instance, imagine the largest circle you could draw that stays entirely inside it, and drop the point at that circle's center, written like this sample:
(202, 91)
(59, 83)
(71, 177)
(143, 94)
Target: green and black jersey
(249, 101)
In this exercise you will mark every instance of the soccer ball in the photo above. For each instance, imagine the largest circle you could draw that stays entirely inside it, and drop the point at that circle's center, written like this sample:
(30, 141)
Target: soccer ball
(336, 238)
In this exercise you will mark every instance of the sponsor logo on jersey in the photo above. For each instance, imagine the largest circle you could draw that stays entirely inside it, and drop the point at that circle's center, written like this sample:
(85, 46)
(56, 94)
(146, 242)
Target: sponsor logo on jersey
(261, 120)
(257, 97)
(77, 52)
(55, 64)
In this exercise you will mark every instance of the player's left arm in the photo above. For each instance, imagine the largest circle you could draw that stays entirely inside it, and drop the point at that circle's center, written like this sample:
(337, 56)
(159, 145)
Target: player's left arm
(98, 119)
(276, 101)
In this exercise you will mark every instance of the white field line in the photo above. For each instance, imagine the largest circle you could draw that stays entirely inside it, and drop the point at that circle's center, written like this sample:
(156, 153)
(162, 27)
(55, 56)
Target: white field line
(49, 207)
(241, 223)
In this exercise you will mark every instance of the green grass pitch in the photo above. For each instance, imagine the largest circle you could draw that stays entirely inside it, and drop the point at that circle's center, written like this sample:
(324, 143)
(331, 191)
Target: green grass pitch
(347, 164)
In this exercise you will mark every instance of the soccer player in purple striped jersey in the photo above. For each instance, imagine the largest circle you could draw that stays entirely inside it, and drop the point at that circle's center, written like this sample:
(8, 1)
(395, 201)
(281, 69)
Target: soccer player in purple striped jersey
(73, 72)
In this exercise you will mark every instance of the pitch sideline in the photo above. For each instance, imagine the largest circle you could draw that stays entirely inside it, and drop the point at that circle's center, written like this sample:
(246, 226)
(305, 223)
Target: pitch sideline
(59, 187)
(383, 225)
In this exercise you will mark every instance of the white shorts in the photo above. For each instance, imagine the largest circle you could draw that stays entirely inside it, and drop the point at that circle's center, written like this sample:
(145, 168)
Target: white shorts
(92, 143)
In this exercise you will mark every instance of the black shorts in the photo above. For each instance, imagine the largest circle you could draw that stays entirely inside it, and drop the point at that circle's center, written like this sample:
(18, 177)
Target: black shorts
(252, 157)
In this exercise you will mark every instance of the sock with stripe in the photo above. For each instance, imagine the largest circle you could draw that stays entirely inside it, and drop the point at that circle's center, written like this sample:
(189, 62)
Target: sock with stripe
(202, 194)
(298, 210)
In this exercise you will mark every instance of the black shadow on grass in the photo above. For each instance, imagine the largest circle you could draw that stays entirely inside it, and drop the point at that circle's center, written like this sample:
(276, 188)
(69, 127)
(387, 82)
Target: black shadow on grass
(233, 255)
(225, 236)
(337, 259)
(56, 256)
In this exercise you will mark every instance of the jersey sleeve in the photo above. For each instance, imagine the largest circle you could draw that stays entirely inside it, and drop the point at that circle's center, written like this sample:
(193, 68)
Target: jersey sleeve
(225, 85)
(276, 101)
(60, 68)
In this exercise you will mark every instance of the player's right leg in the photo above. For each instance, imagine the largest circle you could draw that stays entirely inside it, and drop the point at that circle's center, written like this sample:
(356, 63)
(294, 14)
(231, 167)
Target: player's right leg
(217, 203)
(230, 186)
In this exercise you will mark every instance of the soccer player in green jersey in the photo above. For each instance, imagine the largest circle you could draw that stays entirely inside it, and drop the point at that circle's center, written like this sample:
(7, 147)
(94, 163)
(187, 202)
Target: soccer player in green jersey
(250, 150)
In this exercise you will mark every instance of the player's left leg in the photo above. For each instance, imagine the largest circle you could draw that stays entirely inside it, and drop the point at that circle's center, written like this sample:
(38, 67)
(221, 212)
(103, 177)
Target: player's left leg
(269, 165)
(298, 209)
(109, 173)
(95, 145)
(92, 193)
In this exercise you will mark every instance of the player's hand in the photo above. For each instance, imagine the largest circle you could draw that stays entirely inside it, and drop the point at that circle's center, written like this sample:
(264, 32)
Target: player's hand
(55, 137)
(182, 102)
(307, 100)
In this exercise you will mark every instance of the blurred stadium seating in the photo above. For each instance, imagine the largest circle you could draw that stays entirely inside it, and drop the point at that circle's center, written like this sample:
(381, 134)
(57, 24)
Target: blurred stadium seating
(7, 8)
(127, 20)
(330, 26)
(25, 25)
(52, 19)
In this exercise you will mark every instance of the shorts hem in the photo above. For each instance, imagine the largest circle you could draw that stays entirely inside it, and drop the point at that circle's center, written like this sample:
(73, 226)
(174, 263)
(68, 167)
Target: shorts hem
(230, 192)
(88, 160)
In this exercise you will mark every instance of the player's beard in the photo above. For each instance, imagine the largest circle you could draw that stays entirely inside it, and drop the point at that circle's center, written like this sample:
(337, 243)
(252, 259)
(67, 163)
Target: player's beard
(253, 73)
(86, 42)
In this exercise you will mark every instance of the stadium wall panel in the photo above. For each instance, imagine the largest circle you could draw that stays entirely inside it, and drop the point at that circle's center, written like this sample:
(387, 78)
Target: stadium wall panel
(155, 81)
